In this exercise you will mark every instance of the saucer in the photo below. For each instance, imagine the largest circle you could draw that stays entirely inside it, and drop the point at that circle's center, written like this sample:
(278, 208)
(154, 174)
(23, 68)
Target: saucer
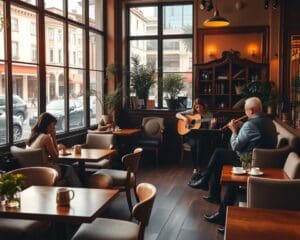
(256, 174)
(239, 172)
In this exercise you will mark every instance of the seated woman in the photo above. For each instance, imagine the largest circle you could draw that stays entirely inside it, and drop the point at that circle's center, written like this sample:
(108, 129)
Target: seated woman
(43, 135)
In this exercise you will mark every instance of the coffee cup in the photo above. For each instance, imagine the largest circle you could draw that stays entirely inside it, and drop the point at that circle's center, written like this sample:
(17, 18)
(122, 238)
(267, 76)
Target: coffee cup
(77, 149)
(237, 169)
(255, 170)
(64, 196)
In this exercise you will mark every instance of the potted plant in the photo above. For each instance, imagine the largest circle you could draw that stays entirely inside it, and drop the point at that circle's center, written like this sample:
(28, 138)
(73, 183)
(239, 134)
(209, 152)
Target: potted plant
(246, 160)
(10, 186)
(172, 85)
(142, 78)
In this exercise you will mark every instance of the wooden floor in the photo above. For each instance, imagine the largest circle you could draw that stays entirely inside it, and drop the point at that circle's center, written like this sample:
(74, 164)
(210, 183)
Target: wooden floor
(178, 209)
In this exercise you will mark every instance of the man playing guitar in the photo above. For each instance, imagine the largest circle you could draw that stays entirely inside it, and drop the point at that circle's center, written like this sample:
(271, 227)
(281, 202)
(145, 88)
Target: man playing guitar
(186, 121)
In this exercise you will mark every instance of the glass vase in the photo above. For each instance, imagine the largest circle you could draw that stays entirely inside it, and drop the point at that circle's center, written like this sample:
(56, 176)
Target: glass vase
(246, 166)
(12, 200)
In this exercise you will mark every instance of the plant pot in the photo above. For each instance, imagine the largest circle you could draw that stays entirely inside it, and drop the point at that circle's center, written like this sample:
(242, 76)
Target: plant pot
(172, 104)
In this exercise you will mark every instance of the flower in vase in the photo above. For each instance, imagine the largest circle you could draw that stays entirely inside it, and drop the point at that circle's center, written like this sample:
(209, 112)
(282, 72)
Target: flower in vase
(10, 184)
(246, 159)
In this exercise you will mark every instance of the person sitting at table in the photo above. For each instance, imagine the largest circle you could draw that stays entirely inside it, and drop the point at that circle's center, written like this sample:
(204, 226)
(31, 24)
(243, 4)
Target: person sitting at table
(43, 135)
(192, 140)
(257, 132)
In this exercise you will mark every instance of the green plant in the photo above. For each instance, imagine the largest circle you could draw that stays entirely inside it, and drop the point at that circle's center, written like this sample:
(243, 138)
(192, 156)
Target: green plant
(11, 184)
(142, 77)
(265, 90)
(173, 84)
(246, 159)
(112, 100)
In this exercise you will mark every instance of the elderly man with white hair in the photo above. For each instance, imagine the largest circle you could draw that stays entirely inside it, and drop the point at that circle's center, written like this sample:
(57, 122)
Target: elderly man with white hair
(257, 132)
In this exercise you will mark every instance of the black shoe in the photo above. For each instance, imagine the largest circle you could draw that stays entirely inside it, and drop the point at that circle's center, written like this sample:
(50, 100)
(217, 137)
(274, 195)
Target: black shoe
(212, 199)
(221, 229)
(217, 218)
(195, 177)
(200, 184)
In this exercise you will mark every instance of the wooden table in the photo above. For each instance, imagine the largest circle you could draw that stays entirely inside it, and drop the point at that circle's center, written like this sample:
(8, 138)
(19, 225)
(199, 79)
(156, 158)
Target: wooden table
(87, 155)
(228, 177)
(266, 224)
(39, 203)
(120, 132)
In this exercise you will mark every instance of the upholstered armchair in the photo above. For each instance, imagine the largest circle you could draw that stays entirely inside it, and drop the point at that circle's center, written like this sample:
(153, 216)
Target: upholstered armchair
(28, 157)
(292, 166)
(274, 158)
(273, 193)
(111, 229)
(152, 135)
(29, 229)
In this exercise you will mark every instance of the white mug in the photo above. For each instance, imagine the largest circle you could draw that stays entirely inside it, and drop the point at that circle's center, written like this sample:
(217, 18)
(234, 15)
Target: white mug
(255, 170)
(237, 169)
(64, 196)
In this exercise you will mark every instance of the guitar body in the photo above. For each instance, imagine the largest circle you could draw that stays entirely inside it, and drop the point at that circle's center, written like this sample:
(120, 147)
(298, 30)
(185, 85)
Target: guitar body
(195, 123)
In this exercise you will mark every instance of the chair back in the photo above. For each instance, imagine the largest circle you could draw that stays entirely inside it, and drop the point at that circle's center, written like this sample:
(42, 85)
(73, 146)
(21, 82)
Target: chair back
(292, 166)
(40, 176)
(28, 157)
(274, 158)
(153, 127)
(273, 193)
(142, 211)
(103, 141)
(132, 160)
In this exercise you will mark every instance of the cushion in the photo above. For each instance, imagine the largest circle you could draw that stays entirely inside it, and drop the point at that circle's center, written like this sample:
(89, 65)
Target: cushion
(118, 176)
(152, 128)
(107, 229)
(149, 142)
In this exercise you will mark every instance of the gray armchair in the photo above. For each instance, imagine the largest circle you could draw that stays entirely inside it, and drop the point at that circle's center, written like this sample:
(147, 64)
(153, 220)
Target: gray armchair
(28, 157)
(274, 158)
(273, 193)
(292, 166)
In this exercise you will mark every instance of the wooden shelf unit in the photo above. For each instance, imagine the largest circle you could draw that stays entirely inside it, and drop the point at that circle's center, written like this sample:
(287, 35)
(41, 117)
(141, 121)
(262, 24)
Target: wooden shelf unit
(216, 82)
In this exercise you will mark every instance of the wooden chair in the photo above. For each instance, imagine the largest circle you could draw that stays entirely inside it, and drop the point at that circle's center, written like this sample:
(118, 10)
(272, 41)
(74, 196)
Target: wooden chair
(111, 229)
(125, 180)
(29, 229)
(152, 135)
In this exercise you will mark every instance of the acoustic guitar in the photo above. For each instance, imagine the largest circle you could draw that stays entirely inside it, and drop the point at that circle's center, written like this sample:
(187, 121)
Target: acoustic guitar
(194, 123)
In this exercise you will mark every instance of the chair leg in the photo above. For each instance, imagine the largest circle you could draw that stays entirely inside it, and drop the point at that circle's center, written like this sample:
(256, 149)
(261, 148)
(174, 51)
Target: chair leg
(128, 196)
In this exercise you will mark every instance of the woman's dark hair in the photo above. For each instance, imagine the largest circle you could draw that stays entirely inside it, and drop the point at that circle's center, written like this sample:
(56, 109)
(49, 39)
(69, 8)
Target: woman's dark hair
(198, 101)
(41, 125)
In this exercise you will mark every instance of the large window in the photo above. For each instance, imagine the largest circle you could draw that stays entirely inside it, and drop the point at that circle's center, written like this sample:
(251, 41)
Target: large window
(163, 34)
(47, 70)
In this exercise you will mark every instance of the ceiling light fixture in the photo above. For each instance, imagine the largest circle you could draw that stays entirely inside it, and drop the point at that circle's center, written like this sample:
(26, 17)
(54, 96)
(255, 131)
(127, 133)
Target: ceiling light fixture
(216, 20)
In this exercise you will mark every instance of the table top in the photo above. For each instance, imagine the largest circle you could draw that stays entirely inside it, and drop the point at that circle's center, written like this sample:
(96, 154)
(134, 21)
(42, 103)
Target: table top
(257, 223)
(229, 178)
(39, 203)
(87, 154)
(119, 132)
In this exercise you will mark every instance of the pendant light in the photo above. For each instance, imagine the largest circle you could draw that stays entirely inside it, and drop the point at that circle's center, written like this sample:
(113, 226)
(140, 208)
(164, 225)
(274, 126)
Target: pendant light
(216, 20)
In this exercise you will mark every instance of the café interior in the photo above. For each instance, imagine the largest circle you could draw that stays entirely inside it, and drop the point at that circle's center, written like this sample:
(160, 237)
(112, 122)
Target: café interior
(113, 161)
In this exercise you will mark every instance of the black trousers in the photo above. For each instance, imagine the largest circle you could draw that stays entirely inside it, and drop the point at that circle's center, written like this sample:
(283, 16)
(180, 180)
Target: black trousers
(220, 157)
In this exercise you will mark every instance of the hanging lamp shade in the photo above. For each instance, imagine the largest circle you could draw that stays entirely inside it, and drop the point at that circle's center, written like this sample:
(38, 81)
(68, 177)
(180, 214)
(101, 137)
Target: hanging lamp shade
(216, 21)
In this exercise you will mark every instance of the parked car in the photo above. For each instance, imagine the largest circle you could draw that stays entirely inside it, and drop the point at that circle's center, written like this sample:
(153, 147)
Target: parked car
(93, 100)
(19, 106)
(17, 128)
(56, 107)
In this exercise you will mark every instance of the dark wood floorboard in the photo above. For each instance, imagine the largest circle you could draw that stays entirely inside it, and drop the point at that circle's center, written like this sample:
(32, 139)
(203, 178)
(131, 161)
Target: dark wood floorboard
(178, 209)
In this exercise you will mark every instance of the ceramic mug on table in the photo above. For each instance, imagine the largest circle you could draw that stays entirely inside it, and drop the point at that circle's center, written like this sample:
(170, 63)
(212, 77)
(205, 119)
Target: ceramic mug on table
(77, 149)
(255, 170)
(64, 196)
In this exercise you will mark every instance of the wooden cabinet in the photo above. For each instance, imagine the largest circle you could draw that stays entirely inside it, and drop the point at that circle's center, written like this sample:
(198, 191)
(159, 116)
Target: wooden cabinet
(219, 83)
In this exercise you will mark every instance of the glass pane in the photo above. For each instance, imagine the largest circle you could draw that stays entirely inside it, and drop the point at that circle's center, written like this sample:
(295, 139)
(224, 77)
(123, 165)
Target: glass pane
(25, 90)
(178, 19)
(76, 106)
(23, 27)
(145, 49)
(3, 124)
(96, 51)
(75, 47)
(75, 10)
(33, 2)
(177, 55)
(96, 87)
(54, 6)
(55, 95)
(1, 34)
(143, 21)
(54, 42)
(96, 14)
